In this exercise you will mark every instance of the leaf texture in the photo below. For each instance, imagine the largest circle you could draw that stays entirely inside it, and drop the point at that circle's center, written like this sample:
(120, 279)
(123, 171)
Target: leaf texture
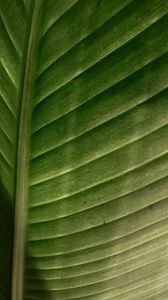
(84, 151)
(12, 40)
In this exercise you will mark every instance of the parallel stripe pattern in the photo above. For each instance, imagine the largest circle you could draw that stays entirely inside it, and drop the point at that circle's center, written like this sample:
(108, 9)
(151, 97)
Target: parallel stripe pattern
(98, 179)
(12, 46)
(12, 39)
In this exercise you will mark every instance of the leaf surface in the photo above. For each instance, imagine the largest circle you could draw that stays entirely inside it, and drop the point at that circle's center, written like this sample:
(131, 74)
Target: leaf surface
(83, 152)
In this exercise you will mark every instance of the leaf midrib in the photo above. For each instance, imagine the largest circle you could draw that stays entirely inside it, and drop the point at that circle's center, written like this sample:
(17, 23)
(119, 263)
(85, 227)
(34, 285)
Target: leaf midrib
(22, 155)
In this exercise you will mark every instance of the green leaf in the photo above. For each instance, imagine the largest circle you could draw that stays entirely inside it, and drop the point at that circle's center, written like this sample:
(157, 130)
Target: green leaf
(83, 149)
